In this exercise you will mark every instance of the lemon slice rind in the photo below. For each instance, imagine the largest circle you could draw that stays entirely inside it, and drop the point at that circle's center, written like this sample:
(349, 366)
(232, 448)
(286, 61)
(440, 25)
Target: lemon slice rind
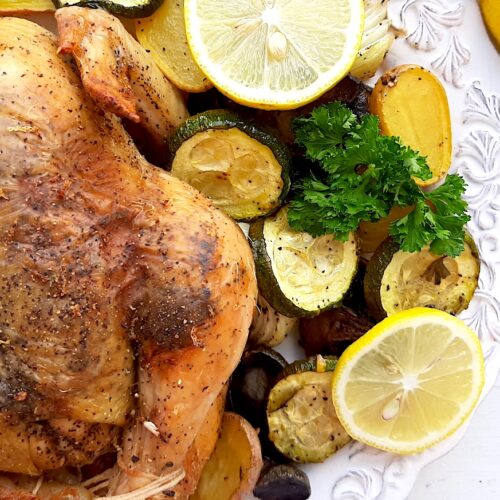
(350, 359)
(261, 95)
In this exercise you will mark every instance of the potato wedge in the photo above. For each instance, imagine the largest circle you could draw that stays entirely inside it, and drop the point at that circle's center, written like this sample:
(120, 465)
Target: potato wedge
(490, 10)
(202, 447)
(269, 327)
(372, 234)
(411, 103)
(25, 6)
(164, 35)
(234, 467)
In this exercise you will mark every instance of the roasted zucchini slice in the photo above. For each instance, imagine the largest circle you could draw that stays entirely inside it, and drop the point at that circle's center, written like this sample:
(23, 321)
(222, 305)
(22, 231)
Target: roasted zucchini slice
(124, 8)
(300, 275)
(240, 167)
(302, 421)
(397, 280)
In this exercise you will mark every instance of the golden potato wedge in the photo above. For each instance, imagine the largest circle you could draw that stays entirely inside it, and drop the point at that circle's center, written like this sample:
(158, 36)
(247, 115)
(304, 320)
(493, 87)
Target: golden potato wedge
(25, 6)
(164, 35)
(202, 447)
(234, 467)
(371, 234)
(269, 327)
(490, 10)
(411, 103)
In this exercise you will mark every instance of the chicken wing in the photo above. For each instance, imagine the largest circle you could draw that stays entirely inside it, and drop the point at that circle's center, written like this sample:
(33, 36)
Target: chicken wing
(126, 296)
(117, 72)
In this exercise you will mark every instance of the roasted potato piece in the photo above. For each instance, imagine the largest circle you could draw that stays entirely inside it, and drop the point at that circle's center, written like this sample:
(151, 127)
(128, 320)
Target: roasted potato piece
(269, 327)
(234, 467)
(372, 234)
(164, 35)
(25, 6)
(490, 10)
(411, 103)
(202, 447)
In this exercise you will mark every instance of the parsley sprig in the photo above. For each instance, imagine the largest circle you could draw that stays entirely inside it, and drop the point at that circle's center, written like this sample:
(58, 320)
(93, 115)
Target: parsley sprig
(363, 175)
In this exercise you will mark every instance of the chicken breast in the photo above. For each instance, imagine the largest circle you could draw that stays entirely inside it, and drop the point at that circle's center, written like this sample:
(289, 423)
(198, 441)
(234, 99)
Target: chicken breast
(126, 296)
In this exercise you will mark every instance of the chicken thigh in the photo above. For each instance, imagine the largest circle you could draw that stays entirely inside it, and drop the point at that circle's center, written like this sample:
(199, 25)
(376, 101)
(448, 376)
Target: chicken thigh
(126, 296)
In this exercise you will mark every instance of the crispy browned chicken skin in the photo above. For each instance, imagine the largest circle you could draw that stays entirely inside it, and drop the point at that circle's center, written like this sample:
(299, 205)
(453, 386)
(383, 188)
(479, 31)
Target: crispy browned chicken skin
(125, 295)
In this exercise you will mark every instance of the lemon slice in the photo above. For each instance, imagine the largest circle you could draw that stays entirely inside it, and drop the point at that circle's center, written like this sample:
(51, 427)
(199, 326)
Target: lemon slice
(410, 382)
(274, 54)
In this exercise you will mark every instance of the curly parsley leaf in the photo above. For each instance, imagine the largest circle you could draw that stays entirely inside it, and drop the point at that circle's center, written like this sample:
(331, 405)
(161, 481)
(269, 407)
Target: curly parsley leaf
(364, 175)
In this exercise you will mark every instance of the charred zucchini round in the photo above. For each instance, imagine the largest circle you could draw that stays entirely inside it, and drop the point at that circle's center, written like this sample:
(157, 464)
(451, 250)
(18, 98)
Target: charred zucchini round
(124, 8)
(397, 280)
(300, 275)
(240, 167)
(302, 421)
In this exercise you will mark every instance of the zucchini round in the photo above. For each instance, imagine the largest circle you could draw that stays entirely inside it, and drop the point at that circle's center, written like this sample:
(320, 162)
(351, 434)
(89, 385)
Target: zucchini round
(240, 167)
(302, 421)
(124, 8)
(397, 280)
(300, 275)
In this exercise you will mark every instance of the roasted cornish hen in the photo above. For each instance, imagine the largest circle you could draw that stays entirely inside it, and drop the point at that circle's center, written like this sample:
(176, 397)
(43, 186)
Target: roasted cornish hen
(125, 295)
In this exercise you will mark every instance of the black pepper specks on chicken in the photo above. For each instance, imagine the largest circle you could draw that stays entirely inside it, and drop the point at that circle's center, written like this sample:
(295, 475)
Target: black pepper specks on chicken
(125, 296)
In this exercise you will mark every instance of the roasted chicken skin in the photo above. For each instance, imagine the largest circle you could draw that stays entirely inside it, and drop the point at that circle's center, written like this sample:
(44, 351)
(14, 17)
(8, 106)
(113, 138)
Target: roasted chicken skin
(126, 296)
